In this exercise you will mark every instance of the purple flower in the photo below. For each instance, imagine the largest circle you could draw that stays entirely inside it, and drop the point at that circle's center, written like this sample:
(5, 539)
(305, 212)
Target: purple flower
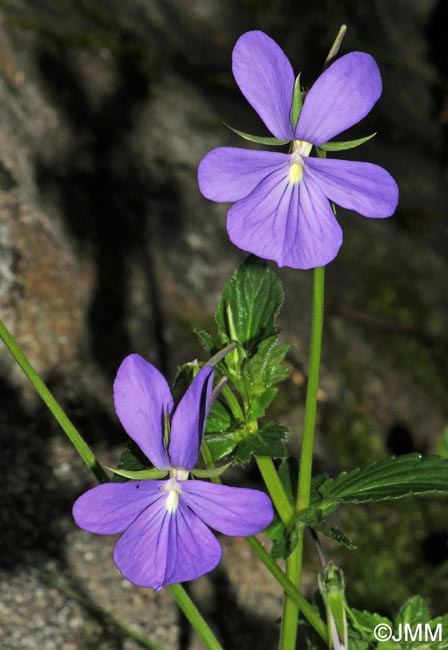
(166, 538)
(282, 208)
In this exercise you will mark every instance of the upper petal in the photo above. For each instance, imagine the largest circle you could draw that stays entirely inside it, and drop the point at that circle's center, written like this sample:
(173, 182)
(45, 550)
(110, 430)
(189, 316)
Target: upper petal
(290, 223)
(340, 97)
(363, 187)
(112, 507)
(230, 174)
(266, 79)
(188, 422)
(230, 510)
(163, 547)
(142, 398)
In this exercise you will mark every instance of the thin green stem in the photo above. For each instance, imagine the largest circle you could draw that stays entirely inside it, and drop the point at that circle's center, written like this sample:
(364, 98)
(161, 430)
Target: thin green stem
(233, 403)
(307, 610)
(71, 432)
(192, 613)
(275, 488)
(294, 563)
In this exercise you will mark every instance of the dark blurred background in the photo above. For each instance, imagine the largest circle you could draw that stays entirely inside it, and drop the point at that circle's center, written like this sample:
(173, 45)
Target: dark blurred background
(107, 247)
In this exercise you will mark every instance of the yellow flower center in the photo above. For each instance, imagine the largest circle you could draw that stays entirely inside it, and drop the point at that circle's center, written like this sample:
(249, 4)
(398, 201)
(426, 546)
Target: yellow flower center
(300, 150)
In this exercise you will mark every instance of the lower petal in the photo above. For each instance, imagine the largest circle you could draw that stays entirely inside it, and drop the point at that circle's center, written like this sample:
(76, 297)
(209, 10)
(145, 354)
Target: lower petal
(363, 187)
(230, 510)
(290, 223)
(228, 174)
(112, 507)
(162, 548)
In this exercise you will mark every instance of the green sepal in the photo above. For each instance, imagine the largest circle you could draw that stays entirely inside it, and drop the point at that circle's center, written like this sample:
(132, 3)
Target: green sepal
(297, 102)
(332, 590)
(210, 473)
(347, 144)
(141, 474)
(272, 142)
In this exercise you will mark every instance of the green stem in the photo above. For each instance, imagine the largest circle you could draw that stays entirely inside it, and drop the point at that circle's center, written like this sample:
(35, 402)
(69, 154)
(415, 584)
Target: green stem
(233, 403)
(307, 610)
(71, 432)
(191, 612)
(294, 563)
(275, 488)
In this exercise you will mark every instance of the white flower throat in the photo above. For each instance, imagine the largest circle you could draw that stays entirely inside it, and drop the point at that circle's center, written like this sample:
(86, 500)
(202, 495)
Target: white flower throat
(300, 150)
(174, 488)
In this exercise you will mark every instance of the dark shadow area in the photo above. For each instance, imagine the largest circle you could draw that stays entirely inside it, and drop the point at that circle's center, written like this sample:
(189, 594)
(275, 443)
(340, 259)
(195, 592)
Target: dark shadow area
(399, 440)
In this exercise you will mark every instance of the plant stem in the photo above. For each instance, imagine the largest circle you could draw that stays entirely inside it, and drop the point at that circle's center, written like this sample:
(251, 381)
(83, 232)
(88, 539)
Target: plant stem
(192, 613)
(295, 560)
(275, 488)
(71, 432)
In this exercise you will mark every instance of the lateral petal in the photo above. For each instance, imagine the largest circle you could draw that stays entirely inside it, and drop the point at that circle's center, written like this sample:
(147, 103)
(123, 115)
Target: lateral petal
(228, 174)
(111, 508)
(188, 422)
(230, 510)
(290, 223)
(266, 79)
(142, 398)
(339, 98)
(162, 548)
(360, 186)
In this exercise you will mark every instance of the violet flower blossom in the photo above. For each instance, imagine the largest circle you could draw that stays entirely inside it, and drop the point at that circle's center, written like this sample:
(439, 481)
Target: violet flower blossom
(166, 538)
(282, 208)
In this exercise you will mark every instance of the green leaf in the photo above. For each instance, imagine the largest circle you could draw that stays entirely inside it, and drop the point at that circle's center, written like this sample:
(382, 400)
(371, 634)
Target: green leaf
(266, 367)
(221, 445)
(267, 441)
(414, 611)
(314, 518)
(392, 478)
(365, 622)
(272, 142)
(132, 459)
(297, 101)
(219, 419)
(206, 340)
(347, 144)
(210, 473)
(141, 474)
(250, 303)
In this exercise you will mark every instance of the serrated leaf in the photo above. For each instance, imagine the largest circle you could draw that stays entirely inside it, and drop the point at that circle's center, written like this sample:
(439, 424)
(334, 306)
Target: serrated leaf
(392, 478)
(414, 611)
(266, 367)
(250, 303)
(271, 142)
(221, 445)
(314, 518)
(219, 419)
(206, 340)
(365, 622)
(260, 403)
(142, 474)
(347, 144)
(267, 441)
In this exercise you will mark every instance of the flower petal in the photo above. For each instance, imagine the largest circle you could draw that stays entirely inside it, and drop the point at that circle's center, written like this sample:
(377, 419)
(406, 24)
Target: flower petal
(266, 79)
(363, 187)
(188, 423)
(230, 510)
(142, 399)
(230, 174)
(290, 223)
(340, 98)
(112, 507)
(161, 547)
